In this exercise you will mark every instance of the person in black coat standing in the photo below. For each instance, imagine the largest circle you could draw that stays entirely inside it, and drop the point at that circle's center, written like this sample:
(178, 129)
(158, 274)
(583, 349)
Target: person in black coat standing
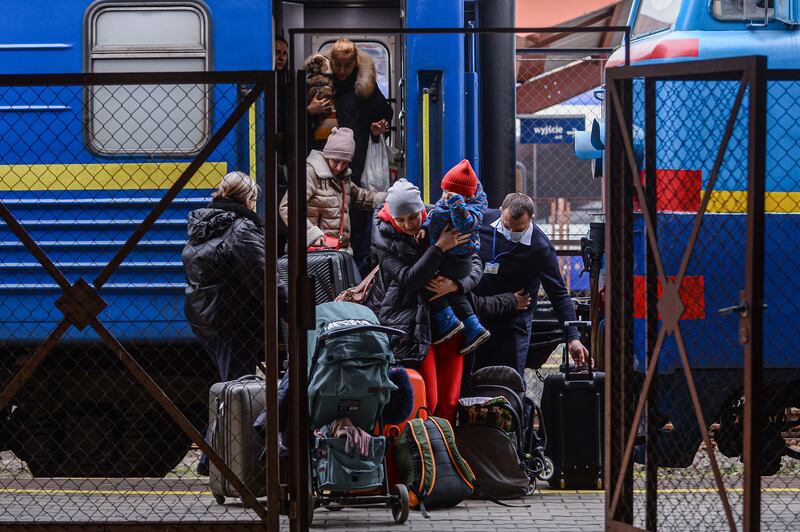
(224, 263)
(518, 258)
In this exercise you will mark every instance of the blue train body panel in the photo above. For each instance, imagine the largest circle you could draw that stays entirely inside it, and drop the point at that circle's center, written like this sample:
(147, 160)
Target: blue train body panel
(82, 220)
(712, 342)
(440, 53)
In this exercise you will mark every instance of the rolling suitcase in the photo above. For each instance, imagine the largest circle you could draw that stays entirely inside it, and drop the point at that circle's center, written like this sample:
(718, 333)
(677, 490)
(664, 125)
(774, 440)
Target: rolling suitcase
(572, 408)
(333, 272)
(232, 409)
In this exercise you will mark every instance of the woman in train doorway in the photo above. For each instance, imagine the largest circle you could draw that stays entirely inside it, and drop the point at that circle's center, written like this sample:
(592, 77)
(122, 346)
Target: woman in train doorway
(407, 267)
(282, 76)
(360, 106)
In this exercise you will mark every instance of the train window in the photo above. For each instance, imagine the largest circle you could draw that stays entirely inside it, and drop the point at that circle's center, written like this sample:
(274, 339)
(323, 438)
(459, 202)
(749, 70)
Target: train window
(380, 55)
(159, 37)
(740, 9)
(655, 15)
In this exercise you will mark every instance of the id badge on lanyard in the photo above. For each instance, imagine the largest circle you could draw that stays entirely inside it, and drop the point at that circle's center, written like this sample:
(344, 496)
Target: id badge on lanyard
(491, 268)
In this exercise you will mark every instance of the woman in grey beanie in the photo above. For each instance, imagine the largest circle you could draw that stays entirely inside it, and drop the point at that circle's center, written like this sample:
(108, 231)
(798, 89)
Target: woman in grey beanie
(407, 266)
(330, 194)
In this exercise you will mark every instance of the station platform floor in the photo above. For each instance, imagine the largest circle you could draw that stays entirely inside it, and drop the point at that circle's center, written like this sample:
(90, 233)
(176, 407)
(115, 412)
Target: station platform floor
(150, 502)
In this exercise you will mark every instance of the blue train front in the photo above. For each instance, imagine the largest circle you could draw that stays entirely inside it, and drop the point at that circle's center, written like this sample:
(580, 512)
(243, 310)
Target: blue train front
(690, 124)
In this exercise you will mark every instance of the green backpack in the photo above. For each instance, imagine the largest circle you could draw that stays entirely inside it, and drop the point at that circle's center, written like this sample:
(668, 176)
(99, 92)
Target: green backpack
(348, 363)
(430, 465)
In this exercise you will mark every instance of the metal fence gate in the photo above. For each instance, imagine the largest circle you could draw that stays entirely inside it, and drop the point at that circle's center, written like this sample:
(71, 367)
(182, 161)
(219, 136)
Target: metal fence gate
(103, 384)
(701, 401)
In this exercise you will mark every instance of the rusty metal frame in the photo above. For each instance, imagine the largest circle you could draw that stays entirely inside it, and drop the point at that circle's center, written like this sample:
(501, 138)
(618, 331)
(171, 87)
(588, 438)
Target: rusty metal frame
(271, 317)
(651, 299)
(751, 73)
(261, 83)
(302, 316)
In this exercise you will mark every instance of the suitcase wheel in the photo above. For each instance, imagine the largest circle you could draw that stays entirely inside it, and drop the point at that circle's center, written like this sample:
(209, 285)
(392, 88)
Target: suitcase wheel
(531, 487)
(400, 503)
(220, 499)
(547, 471)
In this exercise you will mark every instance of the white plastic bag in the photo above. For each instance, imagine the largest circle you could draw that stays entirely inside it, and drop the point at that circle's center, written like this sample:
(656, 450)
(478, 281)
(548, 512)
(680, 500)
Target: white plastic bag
(376, 175)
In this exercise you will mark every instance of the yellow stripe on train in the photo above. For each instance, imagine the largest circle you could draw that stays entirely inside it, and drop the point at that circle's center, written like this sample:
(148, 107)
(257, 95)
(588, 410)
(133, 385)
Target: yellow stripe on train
(106, 176)
(735, 201)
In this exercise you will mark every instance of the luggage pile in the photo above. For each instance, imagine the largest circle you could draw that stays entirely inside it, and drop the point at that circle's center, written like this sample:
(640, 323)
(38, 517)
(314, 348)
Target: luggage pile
(373, 440)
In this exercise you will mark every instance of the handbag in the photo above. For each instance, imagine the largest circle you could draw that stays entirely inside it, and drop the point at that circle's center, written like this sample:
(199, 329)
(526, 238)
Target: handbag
(377, 175)
(360, 292)
(330, 242)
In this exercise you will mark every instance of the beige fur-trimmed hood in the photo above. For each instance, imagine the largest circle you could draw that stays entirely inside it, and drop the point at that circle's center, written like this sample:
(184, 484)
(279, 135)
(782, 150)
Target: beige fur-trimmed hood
(366, 79)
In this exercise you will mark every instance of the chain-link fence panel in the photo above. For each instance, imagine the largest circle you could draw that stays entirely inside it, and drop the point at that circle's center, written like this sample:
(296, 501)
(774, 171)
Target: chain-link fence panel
(559, 94)
(693, 237)
(127, 292)
(780, 426)
(690, 141)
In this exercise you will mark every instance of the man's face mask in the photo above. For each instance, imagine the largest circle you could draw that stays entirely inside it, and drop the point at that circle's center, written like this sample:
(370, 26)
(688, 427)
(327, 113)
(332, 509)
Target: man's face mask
(514, 236)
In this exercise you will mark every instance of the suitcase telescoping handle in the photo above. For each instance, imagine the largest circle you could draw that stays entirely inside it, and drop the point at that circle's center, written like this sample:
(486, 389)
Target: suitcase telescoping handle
(565, 367)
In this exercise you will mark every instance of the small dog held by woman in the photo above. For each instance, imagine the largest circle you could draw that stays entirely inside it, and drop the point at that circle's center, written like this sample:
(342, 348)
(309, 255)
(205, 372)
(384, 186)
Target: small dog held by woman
(319, 79)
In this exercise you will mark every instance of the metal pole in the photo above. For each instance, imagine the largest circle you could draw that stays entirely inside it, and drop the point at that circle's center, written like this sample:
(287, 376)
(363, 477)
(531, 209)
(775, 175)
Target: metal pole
(619, 298)
(751, 331)
(498, 100)
(271, 301)
(651, 483)
(299, 308)
(464, 31)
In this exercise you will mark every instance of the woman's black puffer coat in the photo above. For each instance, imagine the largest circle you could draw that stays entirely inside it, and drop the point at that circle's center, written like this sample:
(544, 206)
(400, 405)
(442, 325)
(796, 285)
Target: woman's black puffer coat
(224, 263)
(405, 268)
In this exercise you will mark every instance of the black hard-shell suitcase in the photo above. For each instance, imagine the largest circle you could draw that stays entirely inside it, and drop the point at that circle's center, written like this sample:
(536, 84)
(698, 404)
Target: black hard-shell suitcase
(232, 409)
(333, 272)
(572, 408)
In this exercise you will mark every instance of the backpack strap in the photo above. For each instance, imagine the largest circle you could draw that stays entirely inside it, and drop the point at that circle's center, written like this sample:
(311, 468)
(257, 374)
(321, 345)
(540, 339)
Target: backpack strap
(427, 479)
(488, 497)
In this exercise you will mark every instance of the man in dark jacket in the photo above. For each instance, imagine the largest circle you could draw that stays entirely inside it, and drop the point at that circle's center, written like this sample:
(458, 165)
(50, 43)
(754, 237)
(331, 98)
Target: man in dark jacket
(518, 258)
(224, 263)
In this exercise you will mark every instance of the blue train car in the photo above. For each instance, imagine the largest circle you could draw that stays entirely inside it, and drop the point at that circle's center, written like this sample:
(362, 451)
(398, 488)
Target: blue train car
(82, 193)
(80, 168)
(691, 118)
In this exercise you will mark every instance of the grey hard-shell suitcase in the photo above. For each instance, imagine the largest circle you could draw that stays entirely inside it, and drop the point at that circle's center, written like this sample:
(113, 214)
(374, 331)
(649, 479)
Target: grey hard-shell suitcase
(333, 273)
(232, 409)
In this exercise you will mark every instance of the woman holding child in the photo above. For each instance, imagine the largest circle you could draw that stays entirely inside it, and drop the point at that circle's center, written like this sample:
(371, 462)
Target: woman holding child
(408, 267)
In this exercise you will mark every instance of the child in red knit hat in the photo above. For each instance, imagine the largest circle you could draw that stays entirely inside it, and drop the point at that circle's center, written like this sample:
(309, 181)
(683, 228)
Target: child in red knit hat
(461, 206)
